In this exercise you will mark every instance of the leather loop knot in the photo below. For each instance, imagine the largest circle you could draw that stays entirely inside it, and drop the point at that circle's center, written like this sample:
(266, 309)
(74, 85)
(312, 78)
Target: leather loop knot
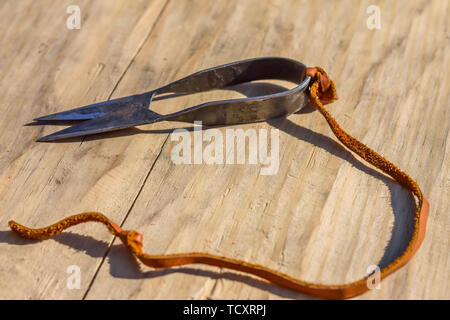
(134, 240)
(326, 90)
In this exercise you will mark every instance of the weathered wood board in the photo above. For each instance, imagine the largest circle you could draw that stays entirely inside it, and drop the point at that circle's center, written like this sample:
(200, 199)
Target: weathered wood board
(324, 216)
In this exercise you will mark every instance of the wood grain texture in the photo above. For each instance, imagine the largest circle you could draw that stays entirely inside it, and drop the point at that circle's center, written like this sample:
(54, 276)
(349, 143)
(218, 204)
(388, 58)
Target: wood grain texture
(324, 217)
(46, 66)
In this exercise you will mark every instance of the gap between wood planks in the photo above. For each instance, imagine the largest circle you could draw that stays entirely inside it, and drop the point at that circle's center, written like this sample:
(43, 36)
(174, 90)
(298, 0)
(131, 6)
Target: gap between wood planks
(154, 162)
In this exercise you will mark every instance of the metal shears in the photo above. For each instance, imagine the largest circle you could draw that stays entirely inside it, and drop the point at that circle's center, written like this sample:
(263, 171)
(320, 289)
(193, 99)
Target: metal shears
(134, 110)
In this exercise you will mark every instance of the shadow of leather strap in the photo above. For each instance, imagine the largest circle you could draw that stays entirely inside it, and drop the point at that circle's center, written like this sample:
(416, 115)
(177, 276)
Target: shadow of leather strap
(322, 90)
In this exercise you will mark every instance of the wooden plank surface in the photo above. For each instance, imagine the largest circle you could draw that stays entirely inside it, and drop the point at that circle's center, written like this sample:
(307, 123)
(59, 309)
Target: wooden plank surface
(325, 216)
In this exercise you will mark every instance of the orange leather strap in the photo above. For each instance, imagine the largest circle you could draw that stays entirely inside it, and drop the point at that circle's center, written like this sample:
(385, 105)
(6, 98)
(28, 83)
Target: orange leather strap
(322, 90)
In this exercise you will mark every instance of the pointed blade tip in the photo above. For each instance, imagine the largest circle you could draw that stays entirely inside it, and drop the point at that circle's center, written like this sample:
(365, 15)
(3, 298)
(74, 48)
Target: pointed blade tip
(51, 137)
(43, 139)
(49, 117)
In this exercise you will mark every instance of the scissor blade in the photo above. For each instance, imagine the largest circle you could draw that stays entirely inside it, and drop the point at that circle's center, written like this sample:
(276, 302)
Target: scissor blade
(130, 116)
(95, 110)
